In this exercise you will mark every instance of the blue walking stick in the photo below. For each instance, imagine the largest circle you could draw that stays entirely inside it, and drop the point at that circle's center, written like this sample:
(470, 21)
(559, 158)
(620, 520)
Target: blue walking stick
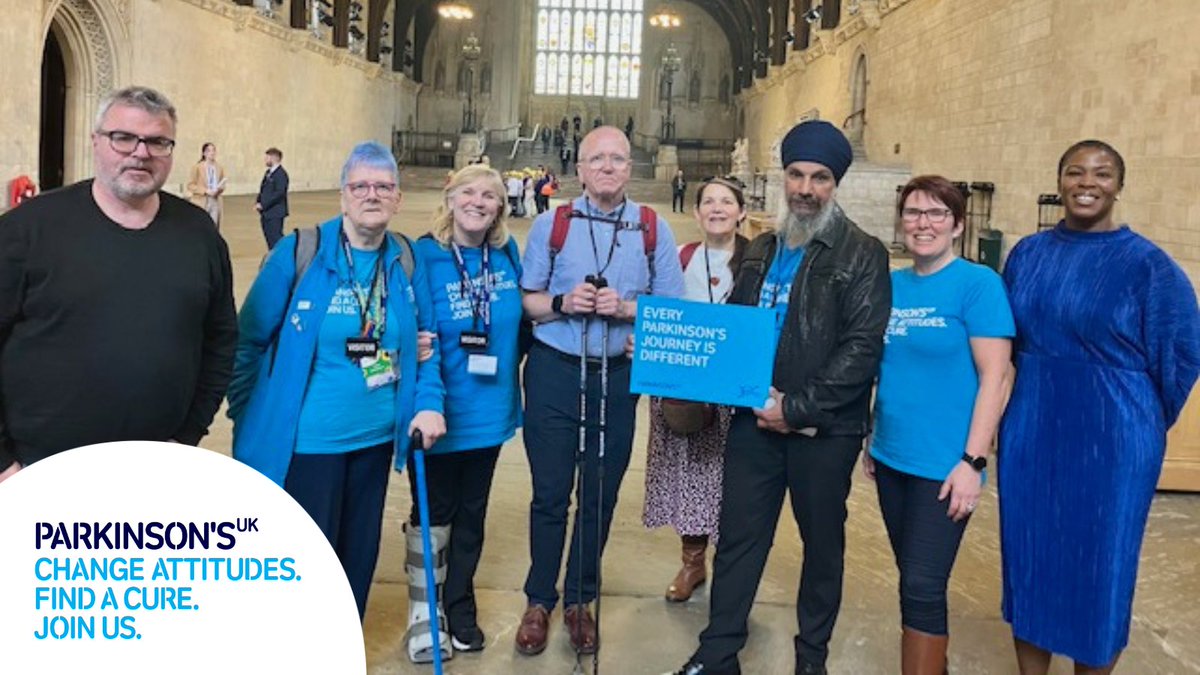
(431, 593)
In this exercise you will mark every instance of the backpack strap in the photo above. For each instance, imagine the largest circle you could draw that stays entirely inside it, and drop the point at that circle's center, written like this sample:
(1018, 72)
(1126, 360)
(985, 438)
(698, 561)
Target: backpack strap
(649, 226)
(307, 243)
(558, 232)
(408, 261)
(686, 253)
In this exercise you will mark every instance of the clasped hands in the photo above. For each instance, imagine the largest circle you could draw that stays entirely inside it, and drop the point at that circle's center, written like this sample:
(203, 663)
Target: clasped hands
(585, 298)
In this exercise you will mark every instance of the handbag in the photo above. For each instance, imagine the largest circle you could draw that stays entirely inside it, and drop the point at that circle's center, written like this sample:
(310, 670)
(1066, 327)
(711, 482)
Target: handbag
(688, 417)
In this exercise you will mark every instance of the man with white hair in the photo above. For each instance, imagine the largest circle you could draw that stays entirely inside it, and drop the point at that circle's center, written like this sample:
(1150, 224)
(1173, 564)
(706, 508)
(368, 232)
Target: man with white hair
(116, 300)
(828, 284)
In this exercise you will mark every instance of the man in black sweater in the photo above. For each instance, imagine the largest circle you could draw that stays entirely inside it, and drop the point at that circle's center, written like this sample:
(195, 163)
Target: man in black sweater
(117, 319)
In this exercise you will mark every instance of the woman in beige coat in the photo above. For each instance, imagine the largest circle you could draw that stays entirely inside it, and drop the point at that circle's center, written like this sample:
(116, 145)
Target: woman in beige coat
(206, 183)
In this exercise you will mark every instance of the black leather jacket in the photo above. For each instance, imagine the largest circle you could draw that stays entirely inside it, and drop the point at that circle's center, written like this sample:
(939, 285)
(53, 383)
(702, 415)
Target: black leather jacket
(828, 353)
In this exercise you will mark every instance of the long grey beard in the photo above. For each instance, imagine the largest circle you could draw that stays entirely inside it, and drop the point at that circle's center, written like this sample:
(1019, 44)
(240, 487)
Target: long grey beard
(796, 229)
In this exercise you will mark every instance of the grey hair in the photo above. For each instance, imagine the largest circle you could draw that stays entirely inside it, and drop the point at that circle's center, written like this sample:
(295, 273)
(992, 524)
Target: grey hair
(143, 98)
(372, 155)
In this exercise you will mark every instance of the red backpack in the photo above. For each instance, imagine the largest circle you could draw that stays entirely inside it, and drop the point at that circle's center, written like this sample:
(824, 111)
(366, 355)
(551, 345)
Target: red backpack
(648, 223)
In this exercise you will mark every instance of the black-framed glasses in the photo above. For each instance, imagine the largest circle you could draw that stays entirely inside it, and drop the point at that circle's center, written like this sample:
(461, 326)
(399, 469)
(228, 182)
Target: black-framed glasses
(935, 216)
(361, 189)
(126, 143)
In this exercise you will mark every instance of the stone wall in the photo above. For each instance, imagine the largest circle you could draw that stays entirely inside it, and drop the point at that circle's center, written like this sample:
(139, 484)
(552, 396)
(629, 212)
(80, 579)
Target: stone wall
(995, 90)
(237, 79)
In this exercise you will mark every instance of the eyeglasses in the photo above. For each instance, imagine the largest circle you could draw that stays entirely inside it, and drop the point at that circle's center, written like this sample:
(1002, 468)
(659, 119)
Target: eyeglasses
(728, 181)
(617, 161)
(126, 143)
(935, 216)
(362, 189)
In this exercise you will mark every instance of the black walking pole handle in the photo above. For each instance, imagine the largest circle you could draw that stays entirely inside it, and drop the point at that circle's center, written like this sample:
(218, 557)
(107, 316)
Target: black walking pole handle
(417, 440)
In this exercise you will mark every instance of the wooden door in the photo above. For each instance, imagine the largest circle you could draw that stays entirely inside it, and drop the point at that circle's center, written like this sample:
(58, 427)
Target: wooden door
(1181, 470)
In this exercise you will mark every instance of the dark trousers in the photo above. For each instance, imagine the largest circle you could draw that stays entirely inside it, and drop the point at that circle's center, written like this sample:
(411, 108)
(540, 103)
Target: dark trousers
(677, 200)
(344, 494)
(272, 231)
(759, 467)
(551, 443)
(925, 542)
(458, 484)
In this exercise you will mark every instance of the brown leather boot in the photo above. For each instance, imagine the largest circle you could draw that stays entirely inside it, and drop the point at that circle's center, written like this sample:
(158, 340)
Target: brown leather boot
(922, 653)
(692, 574)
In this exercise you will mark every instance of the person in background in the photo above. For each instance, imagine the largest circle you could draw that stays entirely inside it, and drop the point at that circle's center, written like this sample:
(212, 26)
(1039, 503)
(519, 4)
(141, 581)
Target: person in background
(272, 204)
(206, 183)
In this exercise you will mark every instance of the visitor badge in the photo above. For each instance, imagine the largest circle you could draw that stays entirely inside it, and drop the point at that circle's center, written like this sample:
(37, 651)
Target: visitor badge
(482, 364)
(473, 340)
(361, 347)
(379, 370)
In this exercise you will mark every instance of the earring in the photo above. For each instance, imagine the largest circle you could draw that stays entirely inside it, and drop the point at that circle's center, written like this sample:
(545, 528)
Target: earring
(1117, 198)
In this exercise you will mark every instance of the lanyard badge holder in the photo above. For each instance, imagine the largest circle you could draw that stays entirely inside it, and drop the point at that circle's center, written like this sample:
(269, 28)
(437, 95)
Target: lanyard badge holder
(379, 366)
(476, 342)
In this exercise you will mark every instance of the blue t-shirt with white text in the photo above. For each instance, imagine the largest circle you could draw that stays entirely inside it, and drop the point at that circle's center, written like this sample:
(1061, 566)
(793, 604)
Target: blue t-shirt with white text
(927, 378)
(481, 411)
(340, 413)
(777, 286)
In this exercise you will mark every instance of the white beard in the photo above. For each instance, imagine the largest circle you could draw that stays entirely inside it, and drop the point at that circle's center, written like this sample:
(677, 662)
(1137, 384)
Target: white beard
(796, 229)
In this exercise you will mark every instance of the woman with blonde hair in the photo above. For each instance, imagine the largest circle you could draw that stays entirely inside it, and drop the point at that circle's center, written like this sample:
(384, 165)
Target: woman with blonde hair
(474, 268)
(206, 183)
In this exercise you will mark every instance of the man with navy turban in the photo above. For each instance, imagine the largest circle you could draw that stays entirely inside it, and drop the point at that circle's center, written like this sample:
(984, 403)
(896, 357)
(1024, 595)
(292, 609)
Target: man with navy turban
(827, 282)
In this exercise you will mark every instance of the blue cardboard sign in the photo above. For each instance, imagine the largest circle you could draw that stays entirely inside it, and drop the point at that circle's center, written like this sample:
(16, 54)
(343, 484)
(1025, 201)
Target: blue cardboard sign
(703, 352)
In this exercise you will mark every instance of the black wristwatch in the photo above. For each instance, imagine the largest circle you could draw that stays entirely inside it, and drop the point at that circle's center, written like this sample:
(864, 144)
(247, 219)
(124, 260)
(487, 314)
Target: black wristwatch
(977, 463)
(556, 304)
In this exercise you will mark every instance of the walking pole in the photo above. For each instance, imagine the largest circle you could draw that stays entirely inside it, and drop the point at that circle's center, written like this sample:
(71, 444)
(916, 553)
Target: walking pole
(603, 424)
(431, 591)
(579, 468)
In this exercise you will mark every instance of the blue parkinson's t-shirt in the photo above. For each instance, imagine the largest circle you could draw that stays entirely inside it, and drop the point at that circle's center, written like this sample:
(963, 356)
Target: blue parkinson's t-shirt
(777, 286)
(927, 379)
(340, 413)
(482, 410)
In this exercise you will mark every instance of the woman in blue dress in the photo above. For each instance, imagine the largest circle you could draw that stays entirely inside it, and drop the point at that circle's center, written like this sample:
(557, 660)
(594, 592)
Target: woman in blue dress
(943, 380)
(1107, 350)
(473, 267)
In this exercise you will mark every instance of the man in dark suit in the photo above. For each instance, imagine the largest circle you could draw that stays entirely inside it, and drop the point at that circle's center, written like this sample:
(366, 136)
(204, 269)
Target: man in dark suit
(272, 204)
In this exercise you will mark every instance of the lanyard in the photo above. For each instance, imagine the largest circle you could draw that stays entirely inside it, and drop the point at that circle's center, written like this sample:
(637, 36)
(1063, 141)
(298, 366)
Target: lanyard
(708, 277)
(612, 247)
(372, 304)
(481, 297)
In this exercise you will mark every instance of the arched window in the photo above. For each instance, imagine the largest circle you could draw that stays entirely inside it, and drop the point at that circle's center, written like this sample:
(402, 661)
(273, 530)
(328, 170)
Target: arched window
(694, 88)
(439, 76)
(588, 47)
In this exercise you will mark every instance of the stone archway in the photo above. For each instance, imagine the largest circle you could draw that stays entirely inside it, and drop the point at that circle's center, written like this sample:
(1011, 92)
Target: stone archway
(857, 121)
(85, 32)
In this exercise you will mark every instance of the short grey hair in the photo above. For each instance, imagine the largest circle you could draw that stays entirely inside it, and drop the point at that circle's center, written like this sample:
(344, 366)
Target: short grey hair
(144, 98)
(371, 155)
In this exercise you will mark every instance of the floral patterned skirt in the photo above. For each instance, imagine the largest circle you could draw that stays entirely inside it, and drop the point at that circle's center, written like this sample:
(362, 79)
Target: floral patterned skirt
(684, 474)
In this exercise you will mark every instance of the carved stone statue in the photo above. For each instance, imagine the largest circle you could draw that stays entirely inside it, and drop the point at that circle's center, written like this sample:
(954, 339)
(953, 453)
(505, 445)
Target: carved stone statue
(740, 157)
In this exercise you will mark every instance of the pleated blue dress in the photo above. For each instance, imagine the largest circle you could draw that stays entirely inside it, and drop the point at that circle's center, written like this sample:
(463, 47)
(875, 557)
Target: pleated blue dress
(1107, 351)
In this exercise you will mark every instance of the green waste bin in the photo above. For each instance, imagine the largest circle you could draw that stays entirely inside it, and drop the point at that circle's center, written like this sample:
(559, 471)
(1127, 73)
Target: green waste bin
(989, 248)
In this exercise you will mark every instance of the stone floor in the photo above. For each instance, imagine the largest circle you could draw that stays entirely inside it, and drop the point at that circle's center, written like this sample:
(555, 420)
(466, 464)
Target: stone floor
(643, 634)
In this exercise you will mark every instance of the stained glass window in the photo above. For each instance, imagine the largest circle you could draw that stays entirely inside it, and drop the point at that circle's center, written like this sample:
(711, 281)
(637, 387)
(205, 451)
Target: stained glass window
(588, 48)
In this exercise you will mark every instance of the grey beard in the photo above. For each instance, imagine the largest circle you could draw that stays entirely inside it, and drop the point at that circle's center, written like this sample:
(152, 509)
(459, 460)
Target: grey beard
(796, 229)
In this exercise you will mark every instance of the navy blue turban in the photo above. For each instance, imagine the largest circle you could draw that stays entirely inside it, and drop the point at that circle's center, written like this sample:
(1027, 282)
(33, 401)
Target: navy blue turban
(818, 141)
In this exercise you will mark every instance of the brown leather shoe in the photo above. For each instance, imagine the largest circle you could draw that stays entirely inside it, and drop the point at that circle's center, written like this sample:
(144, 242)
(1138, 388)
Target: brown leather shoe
(531, 636)
(692, 574)
(581, 627)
